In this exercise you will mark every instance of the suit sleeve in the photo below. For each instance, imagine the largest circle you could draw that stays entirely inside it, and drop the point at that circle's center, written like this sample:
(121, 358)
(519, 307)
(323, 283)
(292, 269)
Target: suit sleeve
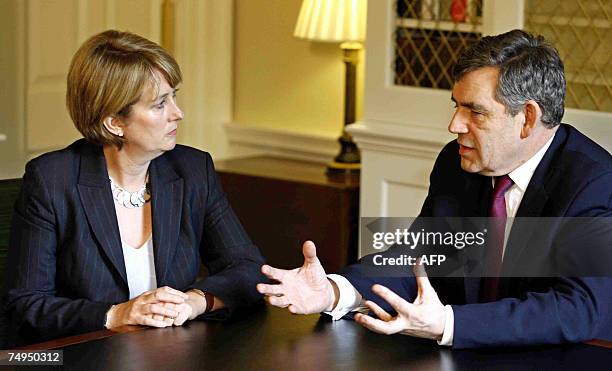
(403, 286)
(31, 298)
(571, 311)
(233, 261)
(358, 275)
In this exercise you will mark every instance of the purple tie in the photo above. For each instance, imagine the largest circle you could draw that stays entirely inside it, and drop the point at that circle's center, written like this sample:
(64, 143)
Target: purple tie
(495, 248)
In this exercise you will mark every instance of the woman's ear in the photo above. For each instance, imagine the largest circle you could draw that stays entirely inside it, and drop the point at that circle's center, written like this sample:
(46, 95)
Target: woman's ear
(113, 125)
(533, 114)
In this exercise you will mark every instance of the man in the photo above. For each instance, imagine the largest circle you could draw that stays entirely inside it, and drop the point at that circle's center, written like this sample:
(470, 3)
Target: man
(509, 95)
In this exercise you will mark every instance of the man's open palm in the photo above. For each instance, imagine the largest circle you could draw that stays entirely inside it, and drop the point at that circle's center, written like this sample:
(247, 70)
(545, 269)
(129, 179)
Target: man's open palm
(303, 290)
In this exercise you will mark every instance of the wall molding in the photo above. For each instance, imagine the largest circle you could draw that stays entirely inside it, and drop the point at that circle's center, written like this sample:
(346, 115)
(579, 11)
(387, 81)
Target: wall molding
(370, 135)
(402, 139)
(285, 143)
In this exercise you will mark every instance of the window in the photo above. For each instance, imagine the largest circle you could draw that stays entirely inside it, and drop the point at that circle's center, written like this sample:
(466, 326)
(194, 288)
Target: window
(582, 32)
(429, 36)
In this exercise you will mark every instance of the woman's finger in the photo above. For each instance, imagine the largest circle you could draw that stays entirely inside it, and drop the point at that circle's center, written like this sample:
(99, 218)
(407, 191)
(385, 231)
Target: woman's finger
(149, 321)
(180, 319)
(176, 292)
(163, 296)
(169, 321)
(159, 309)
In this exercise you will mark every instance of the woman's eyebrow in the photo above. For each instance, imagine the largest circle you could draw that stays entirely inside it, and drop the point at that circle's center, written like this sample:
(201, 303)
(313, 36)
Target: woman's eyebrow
(165, 95)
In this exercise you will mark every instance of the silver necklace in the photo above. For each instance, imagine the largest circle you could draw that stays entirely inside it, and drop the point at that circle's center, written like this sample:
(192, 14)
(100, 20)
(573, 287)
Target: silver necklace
(131, 200)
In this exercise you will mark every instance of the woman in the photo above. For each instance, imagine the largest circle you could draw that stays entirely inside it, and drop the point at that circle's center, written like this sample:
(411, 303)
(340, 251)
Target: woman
(110, 231)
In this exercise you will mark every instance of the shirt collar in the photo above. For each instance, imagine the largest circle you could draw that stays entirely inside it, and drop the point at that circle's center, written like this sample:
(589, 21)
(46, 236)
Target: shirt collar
(521, 176)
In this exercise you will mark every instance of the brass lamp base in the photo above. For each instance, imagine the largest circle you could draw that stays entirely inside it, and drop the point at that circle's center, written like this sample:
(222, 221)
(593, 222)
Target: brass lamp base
(338, 168)
(348, 161)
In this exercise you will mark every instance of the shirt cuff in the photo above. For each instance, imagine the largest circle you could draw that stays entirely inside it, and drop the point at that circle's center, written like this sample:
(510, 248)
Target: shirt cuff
(349, 300)
(449, 327)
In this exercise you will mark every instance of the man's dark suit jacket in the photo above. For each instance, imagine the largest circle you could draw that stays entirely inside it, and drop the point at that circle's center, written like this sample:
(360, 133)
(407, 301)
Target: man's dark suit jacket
(574, 179)
(65, 263)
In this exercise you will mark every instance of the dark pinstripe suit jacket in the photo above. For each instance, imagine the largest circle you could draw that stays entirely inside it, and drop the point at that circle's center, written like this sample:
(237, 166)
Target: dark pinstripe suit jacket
(66, 266)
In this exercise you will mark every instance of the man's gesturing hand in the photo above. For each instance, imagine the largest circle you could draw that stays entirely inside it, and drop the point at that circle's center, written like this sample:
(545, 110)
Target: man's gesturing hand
(303, 290)
(424, 318)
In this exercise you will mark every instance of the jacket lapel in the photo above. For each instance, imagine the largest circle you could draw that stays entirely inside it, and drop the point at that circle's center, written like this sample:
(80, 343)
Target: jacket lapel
(167, 202)
(478, 193)
(545, 178)
(97, 199)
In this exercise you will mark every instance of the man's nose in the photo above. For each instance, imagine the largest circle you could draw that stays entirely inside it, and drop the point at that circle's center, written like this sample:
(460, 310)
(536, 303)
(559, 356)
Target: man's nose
(458, 124)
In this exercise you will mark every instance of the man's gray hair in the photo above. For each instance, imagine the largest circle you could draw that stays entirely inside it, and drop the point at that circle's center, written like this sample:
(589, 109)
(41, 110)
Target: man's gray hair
(529, 69)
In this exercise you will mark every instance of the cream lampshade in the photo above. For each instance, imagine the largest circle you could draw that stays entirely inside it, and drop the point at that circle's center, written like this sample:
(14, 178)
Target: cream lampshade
(332, 20)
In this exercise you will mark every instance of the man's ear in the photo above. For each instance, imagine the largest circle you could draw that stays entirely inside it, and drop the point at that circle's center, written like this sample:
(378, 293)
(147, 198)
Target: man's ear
(533, 114)
(113, 125)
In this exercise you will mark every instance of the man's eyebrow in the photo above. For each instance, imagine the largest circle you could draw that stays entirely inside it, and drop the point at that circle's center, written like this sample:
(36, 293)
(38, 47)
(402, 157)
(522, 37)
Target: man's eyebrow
(471, 105)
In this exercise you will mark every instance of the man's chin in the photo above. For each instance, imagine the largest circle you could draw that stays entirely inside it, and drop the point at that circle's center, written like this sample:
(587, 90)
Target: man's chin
(470, 167)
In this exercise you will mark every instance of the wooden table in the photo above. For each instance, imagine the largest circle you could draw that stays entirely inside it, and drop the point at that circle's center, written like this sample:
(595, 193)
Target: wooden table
(273, 339)
(281, 203)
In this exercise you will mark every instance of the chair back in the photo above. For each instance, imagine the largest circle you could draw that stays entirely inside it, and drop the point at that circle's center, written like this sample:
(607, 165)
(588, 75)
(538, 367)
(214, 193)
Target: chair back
(9, 189)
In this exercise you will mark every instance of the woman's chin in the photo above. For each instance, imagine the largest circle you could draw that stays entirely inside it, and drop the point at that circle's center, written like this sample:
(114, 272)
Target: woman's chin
(170, 146)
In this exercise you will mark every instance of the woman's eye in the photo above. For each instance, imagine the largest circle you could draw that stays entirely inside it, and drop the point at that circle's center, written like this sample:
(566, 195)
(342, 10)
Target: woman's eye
(161, 105)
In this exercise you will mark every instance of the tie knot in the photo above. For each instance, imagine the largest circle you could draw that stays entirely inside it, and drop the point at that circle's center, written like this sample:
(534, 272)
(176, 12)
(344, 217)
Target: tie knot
(502, 184)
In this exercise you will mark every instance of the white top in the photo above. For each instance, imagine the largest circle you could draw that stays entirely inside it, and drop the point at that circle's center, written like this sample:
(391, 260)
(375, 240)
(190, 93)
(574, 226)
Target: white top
(350, 299)
(140, 267)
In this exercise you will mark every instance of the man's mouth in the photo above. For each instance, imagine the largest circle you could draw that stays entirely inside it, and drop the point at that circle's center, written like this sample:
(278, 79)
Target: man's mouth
(464, 149)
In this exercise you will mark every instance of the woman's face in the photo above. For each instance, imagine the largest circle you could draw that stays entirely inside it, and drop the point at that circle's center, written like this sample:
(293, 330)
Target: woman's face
(151, 126)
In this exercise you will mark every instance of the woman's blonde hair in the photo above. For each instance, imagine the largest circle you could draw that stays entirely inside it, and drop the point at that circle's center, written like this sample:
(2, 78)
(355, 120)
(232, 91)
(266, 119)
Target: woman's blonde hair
(108, 75)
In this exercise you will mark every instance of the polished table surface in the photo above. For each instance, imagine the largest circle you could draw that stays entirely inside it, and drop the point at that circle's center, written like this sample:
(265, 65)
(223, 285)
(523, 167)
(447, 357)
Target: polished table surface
(273, 339)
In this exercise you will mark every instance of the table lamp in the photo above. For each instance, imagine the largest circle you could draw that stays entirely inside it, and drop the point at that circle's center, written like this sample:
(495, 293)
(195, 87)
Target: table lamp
(338, 21)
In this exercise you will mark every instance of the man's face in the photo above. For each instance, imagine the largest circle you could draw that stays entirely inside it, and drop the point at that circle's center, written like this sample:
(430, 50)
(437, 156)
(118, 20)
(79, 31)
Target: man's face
(489, 138)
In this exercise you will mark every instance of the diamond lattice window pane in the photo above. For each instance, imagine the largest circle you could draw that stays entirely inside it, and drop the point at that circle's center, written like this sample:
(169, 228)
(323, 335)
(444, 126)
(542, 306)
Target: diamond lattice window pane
(429, 36)
(582, 32)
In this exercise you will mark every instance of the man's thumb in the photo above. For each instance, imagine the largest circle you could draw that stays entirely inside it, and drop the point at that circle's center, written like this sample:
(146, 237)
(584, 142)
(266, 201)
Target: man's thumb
(310, 252)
